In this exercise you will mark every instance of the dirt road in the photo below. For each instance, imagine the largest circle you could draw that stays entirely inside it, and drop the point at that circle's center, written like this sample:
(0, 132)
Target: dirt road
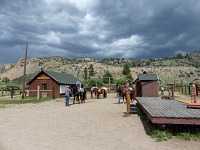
(97, 124)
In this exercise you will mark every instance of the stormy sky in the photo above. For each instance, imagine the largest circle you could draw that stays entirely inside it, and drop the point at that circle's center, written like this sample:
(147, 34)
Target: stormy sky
(98, 29)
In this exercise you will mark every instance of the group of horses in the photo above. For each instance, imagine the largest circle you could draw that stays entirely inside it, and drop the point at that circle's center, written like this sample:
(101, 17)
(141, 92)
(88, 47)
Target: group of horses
(79, 94)
(103, 92)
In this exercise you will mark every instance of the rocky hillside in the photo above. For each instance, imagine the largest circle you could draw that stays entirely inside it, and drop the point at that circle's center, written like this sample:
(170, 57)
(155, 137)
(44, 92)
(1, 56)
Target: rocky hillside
(177, 68)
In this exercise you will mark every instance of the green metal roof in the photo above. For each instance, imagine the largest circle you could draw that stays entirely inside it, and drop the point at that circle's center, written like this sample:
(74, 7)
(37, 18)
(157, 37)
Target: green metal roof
(62, 78)
(147, 76)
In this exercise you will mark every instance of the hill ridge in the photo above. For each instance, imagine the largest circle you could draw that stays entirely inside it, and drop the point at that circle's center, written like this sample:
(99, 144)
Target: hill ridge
(180, 67)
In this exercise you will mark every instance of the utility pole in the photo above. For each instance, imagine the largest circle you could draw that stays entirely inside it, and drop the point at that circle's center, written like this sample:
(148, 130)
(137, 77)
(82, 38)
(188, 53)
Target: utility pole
(109, 82)
(24, 74)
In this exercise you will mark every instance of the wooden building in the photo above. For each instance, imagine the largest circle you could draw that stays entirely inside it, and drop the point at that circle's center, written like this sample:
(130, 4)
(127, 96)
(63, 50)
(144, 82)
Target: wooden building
(146, 85)
(50, 84)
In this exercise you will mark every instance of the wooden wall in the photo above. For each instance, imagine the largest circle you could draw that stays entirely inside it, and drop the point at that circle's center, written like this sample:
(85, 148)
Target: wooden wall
(146, 88)
(150, 89)
(44, 79)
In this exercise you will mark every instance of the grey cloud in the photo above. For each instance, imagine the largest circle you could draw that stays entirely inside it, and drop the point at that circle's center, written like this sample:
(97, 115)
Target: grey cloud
(98, 29)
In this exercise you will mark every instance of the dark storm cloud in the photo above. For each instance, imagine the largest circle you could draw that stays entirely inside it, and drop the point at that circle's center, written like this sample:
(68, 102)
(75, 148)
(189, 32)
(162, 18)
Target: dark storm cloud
(98, 29)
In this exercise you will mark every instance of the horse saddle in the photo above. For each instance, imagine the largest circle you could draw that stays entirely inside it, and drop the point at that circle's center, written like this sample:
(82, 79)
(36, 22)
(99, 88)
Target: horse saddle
(81, 90)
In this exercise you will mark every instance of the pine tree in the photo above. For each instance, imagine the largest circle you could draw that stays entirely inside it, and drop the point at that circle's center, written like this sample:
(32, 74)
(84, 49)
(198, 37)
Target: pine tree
(85, 73)
(91, 70)
(129, 76)
(126, 69)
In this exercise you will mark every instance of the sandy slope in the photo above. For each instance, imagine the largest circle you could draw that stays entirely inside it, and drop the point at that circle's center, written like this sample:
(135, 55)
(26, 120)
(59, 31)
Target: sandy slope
(94, 125)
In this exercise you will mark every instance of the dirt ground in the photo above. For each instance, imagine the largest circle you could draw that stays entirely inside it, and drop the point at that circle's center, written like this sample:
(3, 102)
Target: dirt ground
(97, 124)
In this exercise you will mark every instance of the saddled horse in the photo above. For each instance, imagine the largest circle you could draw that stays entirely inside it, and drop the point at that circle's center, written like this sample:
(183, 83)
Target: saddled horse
(123, 91)
(132, 94)
(98, 91)
(82, 94)
(79, 94)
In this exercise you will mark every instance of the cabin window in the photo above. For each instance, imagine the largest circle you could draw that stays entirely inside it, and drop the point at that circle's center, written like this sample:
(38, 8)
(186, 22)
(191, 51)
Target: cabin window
(44, 86)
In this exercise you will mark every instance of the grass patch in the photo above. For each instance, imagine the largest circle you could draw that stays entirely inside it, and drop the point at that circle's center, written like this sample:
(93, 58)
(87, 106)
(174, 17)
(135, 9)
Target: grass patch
(26, 100)
(185, 136)
(186, 132)
(160, 135)
(126, 114)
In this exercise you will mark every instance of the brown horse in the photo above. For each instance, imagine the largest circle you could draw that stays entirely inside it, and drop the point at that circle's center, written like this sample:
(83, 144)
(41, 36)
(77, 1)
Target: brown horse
(123, 91)
(98, 91)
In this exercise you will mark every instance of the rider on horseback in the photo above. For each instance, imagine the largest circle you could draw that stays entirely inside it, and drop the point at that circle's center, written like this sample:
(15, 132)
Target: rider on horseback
(78, 84)
(127, 86)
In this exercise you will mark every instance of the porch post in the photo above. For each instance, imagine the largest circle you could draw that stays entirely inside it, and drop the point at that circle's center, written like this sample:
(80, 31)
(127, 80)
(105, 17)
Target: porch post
(38, 92)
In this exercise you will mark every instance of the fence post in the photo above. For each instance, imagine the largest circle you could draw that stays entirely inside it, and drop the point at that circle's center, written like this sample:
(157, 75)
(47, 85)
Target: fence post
(91, 94)
(185, 89)
(53, 92)
(85, 94)
(12, 93)
(128, 102)
(38, 92)
(173, 91)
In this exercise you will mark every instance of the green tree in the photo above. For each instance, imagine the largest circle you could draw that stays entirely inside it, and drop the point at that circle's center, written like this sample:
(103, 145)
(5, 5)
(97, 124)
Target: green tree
(126, 69)
(148, 62)
(91, 71)
(6, 80)
(12, 86)
(85, 73)
(89, 83)
(134, 64)
(120, 82)
(93, 82)
(129, 76)
(139, 64)
(108, 76)
(179, 56)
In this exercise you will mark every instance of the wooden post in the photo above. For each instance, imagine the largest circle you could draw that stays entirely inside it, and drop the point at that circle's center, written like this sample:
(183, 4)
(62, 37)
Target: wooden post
(173, 91)
(38, 92)
(128, 102)
(181, 86)
(185, 89)
(189, 92)
(85, 95)
(53, 93)
(24, 73)
(91, 95)
(12, 93)
(109, 82)
(194, 93)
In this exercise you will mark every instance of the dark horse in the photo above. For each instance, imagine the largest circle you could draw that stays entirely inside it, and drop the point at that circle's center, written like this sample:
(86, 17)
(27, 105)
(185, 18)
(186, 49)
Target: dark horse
(98, 91)
(79, 94)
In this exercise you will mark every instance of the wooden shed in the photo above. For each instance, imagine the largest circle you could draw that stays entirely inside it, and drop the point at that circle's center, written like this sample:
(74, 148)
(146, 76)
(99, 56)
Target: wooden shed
(146, 85)
(50, 84)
